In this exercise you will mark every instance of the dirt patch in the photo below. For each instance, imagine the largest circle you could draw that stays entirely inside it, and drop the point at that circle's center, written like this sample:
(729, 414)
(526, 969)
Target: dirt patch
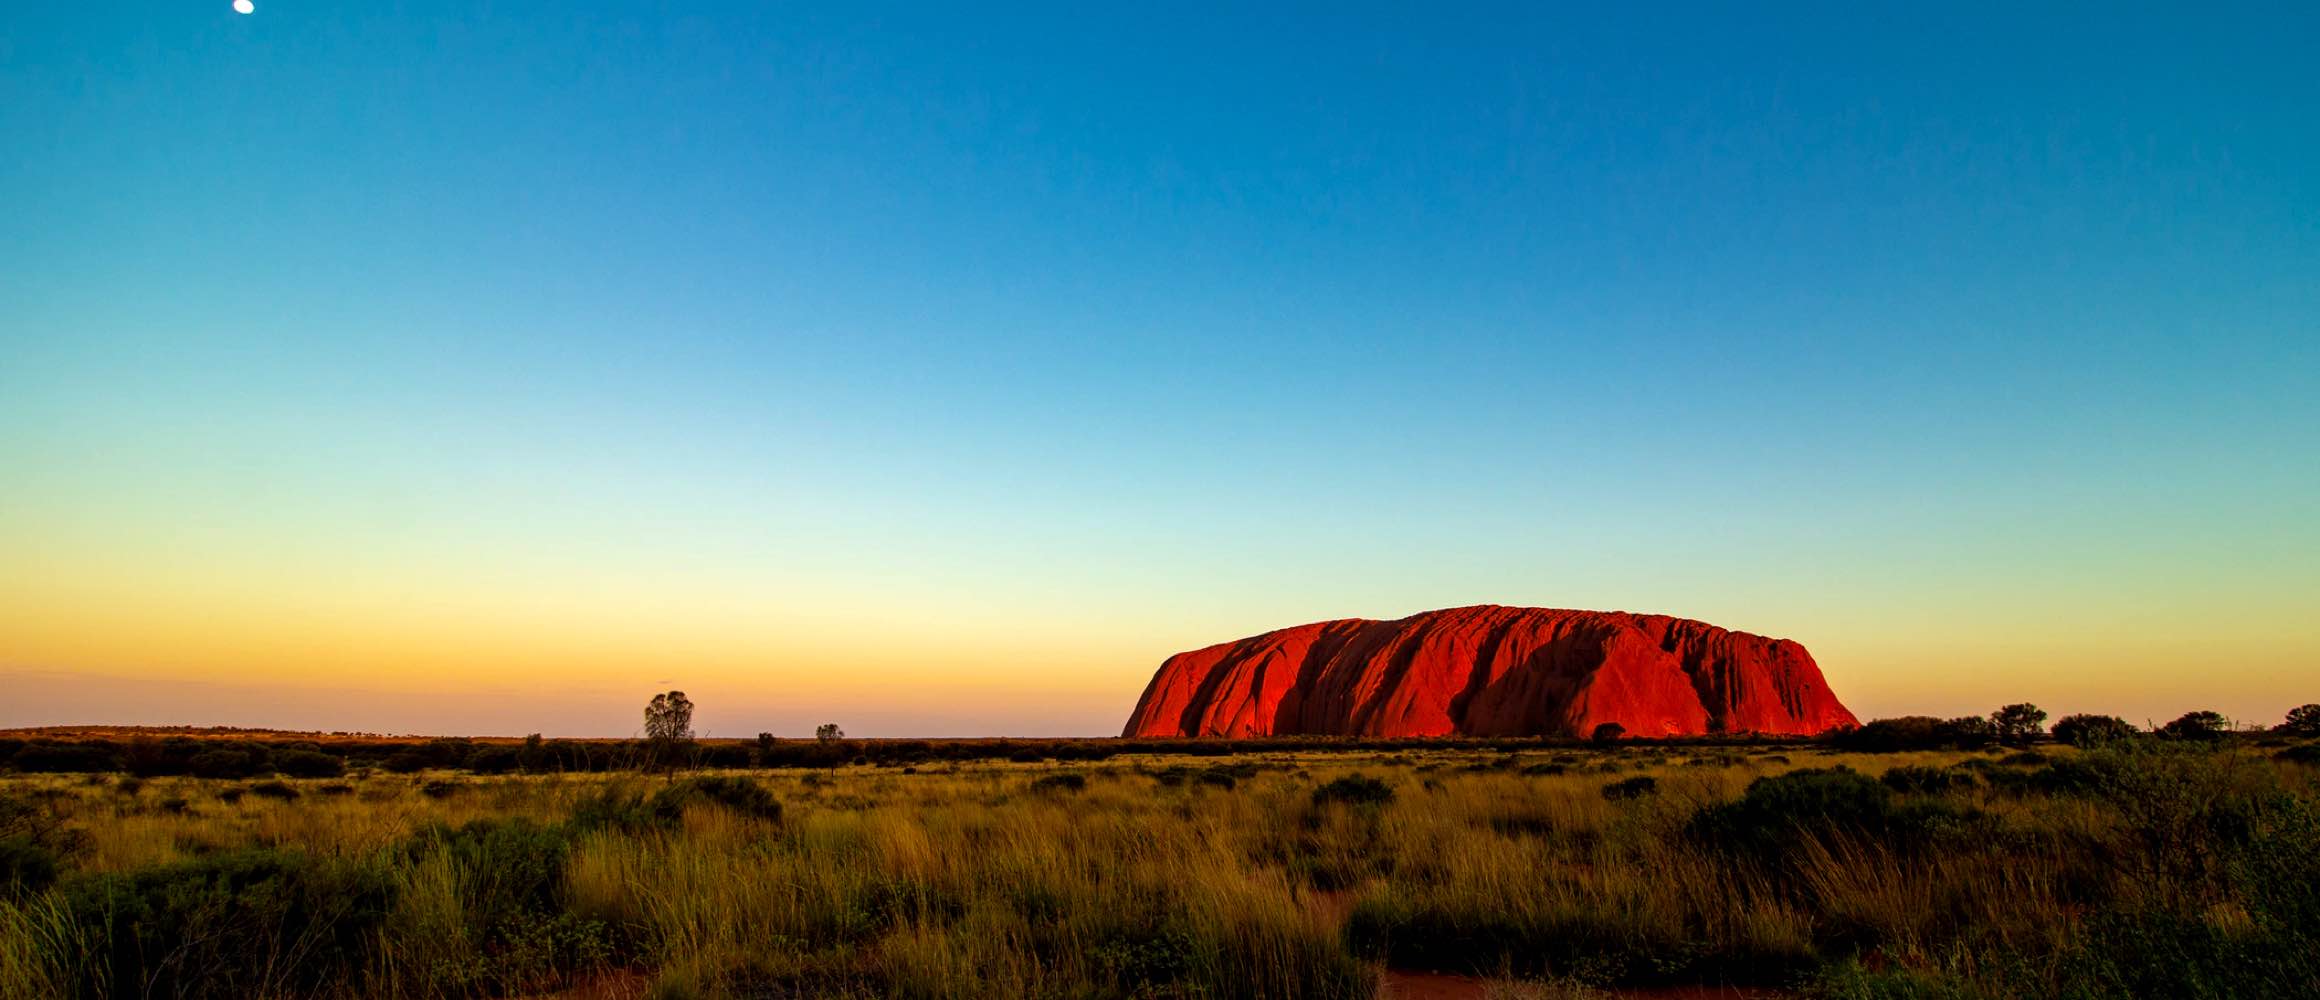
(1393, 985)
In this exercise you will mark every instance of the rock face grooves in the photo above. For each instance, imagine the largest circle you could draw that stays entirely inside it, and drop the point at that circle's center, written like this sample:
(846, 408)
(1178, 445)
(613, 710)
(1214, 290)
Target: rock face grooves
(1492, 671)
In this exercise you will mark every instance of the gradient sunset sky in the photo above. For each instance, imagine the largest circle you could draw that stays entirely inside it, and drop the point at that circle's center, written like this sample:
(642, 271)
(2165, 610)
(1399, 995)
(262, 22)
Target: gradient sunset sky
(484, 367)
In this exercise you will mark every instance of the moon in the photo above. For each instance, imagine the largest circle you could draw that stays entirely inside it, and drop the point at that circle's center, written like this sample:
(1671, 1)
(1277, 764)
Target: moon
(244, 6)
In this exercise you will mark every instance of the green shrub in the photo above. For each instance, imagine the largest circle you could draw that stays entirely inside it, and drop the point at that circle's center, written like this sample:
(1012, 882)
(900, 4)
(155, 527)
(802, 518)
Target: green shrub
(1059, 783)
(1631, 788)
(512, 891)
(615, 809)
(1916, 732)
(308, 764)
(1766, 819)
(1915, 780)
(226, 764)
(64, 758)
(1355, 790)
(27, 866)
(2085, 731)
(741, 795)
(247, 923)
(2197, 726)
(2307, 753)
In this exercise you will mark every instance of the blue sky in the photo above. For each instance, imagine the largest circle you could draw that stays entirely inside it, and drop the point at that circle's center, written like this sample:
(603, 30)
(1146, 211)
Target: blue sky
(1974, 348)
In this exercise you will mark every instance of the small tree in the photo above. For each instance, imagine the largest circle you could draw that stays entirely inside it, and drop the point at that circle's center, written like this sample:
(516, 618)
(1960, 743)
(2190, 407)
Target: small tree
(829, 732)
(765, 748)
(1607, 734)
(2018, 723)
(668, 729)
(2197, 726)
(2303, 720)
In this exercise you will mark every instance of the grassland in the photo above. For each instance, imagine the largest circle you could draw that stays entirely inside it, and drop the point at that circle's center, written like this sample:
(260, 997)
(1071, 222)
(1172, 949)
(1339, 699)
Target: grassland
(2146, 868)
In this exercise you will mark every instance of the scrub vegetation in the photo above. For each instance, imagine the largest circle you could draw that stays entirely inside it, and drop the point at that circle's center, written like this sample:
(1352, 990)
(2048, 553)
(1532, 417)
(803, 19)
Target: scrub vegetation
(2133, 866)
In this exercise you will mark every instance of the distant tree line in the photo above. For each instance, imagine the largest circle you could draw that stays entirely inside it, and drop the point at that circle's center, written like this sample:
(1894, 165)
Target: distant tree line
(670, 744)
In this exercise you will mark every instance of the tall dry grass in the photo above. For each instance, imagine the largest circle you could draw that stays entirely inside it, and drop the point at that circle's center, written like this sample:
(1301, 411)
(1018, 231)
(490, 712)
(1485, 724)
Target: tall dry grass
(1163, 877)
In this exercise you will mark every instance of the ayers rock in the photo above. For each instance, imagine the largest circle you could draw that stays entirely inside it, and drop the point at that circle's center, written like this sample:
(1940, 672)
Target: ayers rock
(1492, 671)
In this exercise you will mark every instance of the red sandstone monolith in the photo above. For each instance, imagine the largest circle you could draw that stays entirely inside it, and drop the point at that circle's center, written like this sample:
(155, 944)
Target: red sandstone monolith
(1492, 671)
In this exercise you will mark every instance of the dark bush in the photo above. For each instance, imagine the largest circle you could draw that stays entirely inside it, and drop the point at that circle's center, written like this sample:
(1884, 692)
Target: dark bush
(405, 762)
(2092, 730)
(1914, 780)
(1216, 777)
(274, 790)
(440, 789)
(2197, 726)
(1838, 800)
(1059, 783)
(512, 885)
(615, 809)
(1916, 732)
(1355, 790)
(226, 764)
(2308, 753)
(495, 760)
(242, 924)
(64, 758)
(26, 866)
(1632, 788)
(308, 764)
(740, 795)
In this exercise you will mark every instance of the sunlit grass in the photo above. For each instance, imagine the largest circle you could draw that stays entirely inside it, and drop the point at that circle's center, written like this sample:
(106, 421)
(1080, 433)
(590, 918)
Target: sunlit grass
(1162, 876)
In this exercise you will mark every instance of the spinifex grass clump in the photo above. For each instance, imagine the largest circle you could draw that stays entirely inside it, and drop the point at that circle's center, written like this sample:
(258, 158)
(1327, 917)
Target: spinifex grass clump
(1776, 812)
(740, 795)
(1354, 790)
(485, 908)
(1057, 783)
(247, 923)
(1631, 788)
